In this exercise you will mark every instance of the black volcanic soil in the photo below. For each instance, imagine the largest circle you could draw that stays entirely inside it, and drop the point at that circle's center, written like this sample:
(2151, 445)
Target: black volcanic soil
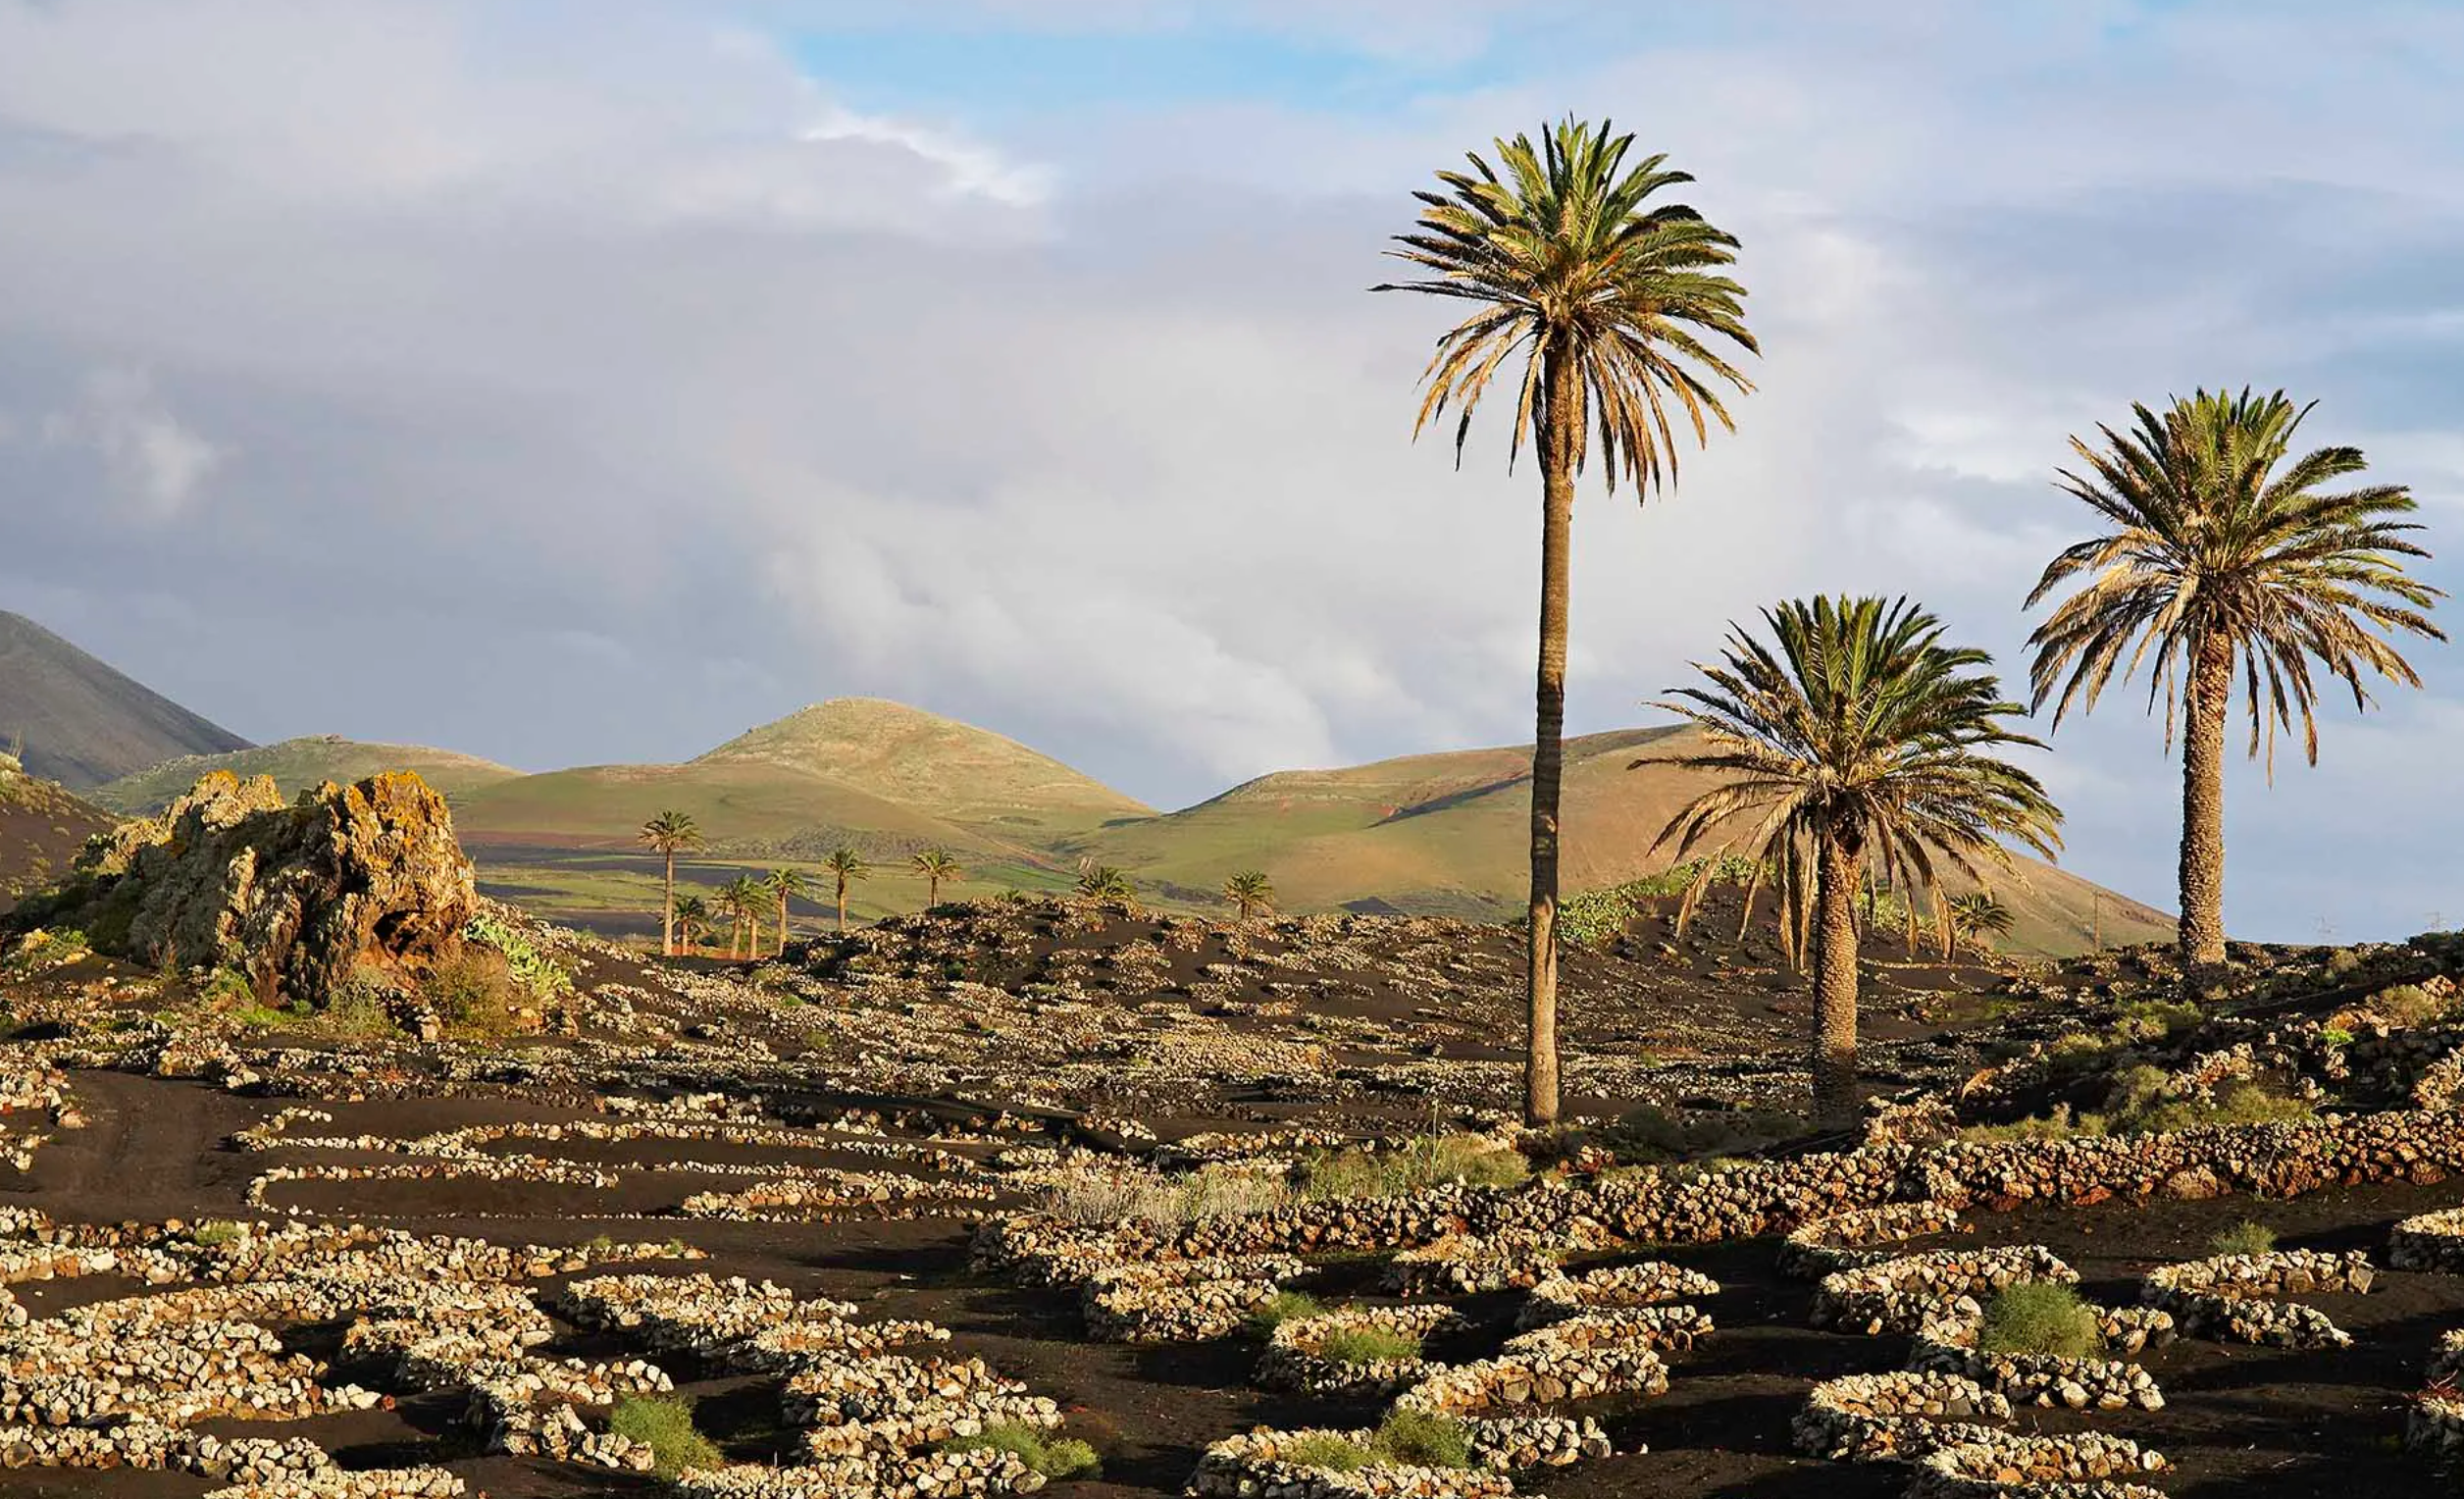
(41, 829)
(2239, 1420)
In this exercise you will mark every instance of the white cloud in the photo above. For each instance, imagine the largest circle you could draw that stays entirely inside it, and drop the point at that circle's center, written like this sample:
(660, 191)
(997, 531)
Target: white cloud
(155, 462)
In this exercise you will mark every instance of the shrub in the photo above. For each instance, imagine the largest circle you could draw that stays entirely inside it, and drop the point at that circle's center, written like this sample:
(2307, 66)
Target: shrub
(2057, 1125)
(1367, 1345)
(2246, 1237)
(2038, 1317)
(474, 991)
(1055, 1457)
(2155, 1019)
(1281, 1308)
(1331, 1450)
(1223, 1191)
(665, 1426)
(216, 1232)
(1413, 1167)
(2343, 962)
(2337, 1036)
(1094, 1197)
(2409, 1005)
(1424, 1439)
(357, 1012)
(532, 969)
(2139, 1105)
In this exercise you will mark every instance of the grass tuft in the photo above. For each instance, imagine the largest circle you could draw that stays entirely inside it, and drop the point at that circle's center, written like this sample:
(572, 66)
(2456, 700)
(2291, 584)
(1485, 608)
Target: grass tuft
(1329, 1450)
(2039, 1318)
(2248, 1237)
(1281, 1308)
(665, 1426)
(1055, 1457)
(1424, 1439)
(1415, 1166)
(1367, 1345)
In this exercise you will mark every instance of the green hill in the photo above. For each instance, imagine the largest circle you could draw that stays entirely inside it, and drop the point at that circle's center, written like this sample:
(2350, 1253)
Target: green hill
(296, 764)
(82, 723)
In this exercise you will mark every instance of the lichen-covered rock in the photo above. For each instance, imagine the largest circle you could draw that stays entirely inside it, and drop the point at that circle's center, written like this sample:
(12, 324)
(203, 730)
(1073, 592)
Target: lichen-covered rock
(297, 896)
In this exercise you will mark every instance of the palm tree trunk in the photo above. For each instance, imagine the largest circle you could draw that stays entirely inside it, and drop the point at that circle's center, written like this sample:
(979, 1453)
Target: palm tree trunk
(752, 934)
(843, 906)
(1560, 432)
(667, 913)
(783, 923)
(2209, 696)
(1835, 984)
(931, 891)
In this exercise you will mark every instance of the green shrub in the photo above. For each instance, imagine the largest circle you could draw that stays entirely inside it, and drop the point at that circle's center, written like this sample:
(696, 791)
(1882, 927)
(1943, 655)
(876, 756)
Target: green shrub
(1055, 1457)
(1281, 1308)
(2246, 1237)
(535, 970)
(357, 1012)
(1424, 1439)
(2060, 1124)
(2039, 1318)
(1414, 1166)
(2343, 962)
(665, 1426)
(2409, 1005)
(1367, 1345)
(263, 1018)
(2155, 1019)
(216, 1232)
(2337, 1036)
(2139, 1105)
(1331, 1450)
(474, 991)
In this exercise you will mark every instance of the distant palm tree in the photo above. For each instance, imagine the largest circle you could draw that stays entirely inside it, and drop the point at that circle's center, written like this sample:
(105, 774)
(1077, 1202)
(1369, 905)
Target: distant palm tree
(1249, 892)
(2213, 554)
(693, 918)
(745, 898)
(1862, 737)
(936, 865)
(1608, 303)
(849, 866)
(783, 883)
(668, 834)
(1977, 917)
(1103, 882)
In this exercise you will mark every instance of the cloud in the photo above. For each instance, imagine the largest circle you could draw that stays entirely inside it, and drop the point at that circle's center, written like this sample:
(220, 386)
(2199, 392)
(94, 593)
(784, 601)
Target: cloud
(623, 386)
(153, 462)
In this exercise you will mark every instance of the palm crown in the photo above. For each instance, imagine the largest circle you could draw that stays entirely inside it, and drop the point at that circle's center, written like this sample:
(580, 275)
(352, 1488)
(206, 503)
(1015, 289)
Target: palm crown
(2210, 542)
(1564, 256)
(1860, 726)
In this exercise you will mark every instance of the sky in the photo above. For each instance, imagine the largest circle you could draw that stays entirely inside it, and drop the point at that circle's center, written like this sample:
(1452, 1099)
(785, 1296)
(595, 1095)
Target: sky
(574, 382)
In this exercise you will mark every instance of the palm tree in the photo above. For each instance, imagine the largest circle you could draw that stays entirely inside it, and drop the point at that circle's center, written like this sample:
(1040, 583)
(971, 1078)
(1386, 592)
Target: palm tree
(1608, 303)
(1104, 882)
(2220, 551)
(783, 883)
(1860, 743)
(743, 897)
(1251, 891)
(1977, 917)
(668, 834)
(936, 865)
(693, 918)
(849, 866)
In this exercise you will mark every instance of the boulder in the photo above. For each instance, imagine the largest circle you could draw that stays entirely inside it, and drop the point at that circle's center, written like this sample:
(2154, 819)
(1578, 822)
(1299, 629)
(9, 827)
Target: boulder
(296, 897)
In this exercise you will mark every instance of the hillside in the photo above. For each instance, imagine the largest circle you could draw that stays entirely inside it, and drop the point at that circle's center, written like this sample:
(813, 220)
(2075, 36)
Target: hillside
(83, 723)
(42, 826)
(1449, 834)
(956, 771)
(296, 764)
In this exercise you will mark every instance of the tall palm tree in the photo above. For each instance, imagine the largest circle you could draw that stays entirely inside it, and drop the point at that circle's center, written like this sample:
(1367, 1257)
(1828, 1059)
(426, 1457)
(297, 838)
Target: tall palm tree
(2218, 552)
(693, 918)
(783, 883)
(1249, 892)
(936, 865)
(847, 866)
(668, 834)
(1860, 742)
(1612, 305)
(1977, 917)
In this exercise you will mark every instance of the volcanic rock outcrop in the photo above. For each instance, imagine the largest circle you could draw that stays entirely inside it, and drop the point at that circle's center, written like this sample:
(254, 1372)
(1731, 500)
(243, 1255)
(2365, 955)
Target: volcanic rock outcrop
(297, 896)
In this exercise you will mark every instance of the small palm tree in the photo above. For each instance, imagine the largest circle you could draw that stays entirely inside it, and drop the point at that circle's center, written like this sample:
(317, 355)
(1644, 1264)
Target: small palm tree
(1977, 917)
(1612, 305)
(1104, 882)
(1249, 892)
(668, 834)
(936, 865)
(1861, 738)
(743, 897)
(693, 919)
(847, 866)
(2219, 552)
(783, 883)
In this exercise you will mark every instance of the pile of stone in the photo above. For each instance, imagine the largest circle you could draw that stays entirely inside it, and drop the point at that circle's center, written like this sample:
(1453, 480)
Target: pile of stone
(832, 1194)
(2232, 1296)
(888, 1404)
(697, 1314)
(1893, 1417)
(1946, 1342)
(342, 1483)
(2433, 1241)
(1466, 1265)
(1259, 1466)
(1661, 1329)
(2083, 1466)
(1895, 1295)
(530, 1169)
(1558, 1297)
(1295, 1359)
(1176, 1301)
(1844, 1241)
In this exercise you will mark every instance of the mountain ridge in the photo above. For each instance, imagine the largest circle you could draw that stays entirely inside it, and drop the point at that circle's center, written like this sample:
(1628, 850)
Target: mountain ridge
(86, 722)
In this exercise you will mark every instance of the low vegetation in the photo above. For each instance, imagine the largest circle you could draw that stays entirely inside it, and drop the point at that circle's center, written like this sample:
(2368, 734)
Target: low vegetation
(1281, 1308)
(665, 1426)
(1368, 1345)
(2248, 1237)
(1054, 1457)
(1422, 1439)
(2039, 1318)
(1415, 1166)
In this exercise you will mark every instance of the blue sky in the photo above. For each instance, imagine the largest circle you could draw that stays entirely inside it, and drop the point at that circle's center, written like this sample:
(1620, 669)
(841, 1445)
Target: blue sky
(626, 374)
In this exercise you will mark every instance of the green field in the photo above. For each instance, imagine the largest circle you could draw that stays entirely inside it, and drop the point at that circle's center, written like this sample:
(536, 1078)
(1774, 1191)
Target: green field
(297, 765)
